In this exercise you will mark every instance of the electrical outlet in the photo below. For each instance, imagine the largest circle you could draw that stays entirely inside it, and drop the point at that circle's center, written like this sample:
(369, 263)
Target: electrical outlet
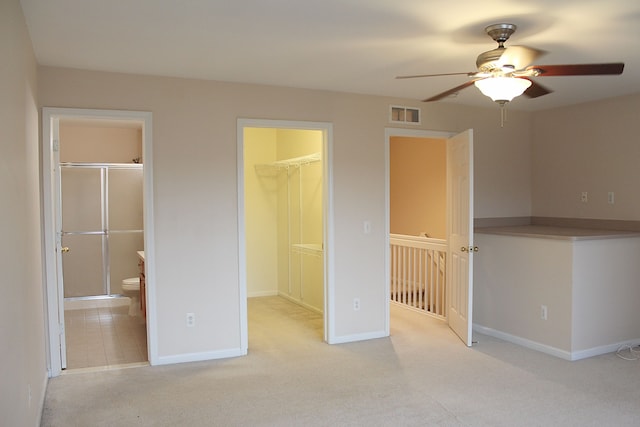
(356, 304)
(584, 197)
(543, 312)
(611, 198)
(191, 320)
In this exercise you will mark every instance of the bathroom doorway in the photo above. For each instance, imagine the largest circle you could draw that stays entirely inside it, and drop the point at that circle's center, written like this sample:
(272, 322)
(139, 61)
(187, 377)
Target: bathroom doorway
(95, 215)
(102, 235)
(284, 223)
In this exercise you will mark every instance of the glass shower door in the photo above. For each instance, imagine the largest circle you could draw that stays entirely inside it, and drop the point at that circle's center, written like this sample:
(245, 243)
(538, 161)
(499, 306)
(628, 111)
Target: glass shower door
(125, 223)
(83, 231)
(102, 225)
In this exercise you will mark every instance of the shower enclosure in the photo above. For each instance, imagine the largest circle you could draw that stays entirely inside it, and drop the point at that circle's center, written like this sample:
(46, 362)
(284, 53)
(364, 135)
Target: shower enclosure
(102, 226)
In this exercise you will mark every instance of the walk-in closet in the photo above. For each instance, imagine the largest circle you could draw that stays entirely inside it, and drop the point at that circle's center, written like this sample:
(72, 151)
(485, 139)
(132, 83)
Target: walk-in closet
(284, 215)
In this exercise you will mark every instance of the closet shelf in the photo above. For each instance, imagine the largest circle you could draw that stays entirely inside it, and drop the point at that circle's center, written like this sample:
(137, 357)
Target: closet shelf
(295, 162)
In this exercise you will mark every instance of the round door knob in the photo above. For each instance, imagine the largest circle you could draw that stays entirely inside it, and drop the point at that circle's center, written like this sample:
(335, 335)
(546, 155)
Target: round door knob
(64, 249)
(463, 249)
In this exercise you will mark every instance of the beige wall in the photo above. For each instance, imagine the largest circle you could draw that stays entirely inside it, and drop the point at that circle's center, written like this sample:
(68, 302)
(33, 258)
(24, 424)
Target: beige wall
(99, 144)
(591, 147)
(418, 186)
(195, 188)
(22, 352)
(513, 277)
(589, 287)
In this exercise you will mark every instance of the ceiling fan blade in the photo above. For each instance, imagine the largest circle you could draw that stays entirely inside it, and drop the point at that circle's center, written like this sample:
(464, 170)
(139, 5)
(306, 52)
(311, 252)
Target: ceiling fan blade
(434, 75)
(450, 91)
(578, 69)
(519, 56)
(536, 90)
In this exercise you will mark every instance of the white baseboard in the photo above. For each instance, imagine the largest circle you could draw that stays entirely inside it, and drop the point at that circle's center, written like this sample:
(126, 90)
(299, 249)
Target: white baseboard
(533, 345)
(302, 303)
(604, 349)
(262, 294)
(199, 357)
(358, 337)
(553, 351)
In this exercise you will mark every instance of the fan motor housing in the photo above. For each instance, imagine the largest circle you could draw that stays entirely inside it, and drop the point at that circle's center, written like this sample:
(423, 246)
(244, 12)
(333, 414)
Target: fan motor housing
(500, 33)
(489, 61)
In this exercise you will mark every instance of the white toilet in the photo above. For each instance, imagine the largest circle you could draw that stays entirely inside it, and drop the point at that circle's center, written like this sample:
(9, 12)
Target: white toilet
(131, 289)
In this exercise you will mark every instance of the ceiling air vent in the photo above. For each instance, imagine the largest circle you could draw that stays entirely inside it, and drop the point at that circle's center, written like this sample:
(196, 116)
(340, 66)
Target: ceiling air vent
(404, 115)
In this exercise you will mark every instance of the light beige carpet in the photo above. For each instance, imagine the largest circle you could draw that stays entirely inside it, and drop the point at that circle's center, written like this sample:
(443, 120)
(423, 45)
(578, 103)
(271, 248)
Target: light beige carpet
(420, 376)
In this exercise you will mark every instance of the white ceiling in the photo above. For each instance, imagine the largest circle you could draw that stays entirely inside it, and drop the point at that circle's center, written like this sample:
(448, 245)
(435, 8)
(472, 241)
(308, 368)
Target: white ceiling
(354, 46)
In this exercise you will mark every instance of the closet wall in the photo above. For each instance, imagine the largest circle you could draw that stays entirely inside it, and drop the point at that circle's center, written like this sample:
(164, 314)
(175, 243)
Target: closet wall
(283, 211)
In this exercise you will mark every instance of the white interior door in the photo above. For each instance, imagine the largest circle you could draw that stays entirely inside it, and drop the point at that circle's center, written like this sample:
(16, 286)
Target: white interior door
(460, 234)
(59, 251)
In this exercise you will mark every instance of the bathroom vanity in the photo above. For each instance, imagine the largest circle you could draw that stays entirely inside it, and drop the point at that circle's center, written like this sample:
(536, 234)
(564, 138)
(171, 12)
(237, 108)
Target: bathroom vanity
(570, 292)
(143, 292)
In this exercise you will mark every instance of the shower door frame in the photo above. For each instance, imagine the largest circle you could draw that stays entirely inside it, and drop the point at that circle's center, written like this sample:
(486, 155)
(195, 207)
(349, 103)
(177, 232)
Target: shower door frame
(106, 228)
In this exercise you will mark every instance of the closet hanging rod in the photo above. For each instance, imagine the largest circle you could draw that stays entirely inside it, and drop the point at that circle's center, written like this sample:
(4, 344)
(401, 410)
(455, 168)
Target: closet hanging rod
(296, 161)
(271, 169)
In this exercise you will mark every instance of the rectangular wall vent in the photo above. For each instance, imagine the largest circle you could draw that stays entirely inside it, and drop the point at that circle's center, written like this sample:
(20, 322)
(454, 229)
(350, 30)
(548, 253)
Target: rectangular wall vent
(400, 114)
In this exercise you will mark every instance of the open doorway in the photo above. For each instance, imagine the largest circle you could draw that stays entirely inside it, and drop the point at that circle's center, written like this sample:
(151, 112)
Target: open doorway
(96, 192)
(423, 273)
(102, 235)
(284, 220)
(417, 223)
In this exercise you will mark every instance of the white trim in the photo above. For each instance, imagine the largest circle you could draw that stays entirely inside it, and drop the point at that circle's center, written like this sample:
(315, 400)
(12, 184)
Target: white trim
(388, 134)
(359, 337)
(302, 304)
(52, 309)
(553, 351)
(262, 294)
(603, 349)
(327, 174)
(199, 357)
(533, 345)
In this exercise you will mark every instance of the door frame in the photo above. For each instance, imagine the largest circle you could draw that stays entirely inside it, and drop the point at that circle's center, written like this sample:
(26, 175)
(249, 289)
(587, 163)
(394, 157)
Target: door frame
(54, 307)
(388, 134)
(327, 206)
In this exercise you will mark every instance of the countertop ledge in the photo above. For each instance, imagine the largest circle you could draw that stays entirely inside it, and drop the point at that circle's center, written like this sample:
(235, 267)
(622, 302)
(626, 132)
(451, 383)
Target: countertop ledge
(559, 233)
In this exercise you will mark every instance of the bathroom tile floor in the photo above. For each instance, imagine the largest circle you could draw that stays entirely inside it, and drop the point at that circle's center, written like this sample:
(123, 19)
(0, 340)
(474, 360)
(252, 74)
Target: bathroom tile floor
(103, 336)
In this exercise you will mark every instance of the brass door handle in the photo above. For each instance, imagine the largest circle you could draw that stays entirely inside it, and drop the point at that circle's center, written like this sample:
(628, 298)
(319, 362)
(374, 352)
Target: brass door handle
(64, 249)
(470, 249)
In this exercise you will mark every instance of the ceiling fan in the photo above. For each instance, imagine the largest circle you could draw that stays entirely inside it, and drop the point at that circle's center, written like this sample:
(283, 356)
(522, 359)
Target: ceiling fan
(504, 72)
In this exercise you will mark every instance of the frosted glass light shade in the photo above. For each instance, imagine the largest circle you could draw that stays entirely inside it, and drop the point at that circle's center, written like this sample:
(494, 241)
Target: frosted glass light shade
(502, 89)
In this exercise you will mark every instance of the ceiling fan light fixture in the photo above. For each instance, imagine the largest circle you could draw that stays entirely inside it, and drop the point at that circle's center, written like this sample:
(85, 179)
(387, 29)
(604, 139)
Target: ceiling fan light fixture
(502, 89)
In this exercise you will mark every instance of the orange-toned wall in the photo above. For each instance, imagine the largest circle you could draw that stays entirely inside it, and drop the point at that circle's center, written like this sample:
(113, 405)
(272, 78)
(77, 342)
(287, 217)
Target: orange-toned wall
(418, 196)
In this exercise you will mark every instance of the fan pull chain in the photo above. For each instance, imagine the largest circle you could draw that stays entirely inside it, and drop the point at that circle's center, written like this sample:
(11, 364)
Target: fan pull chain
(503, 114)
